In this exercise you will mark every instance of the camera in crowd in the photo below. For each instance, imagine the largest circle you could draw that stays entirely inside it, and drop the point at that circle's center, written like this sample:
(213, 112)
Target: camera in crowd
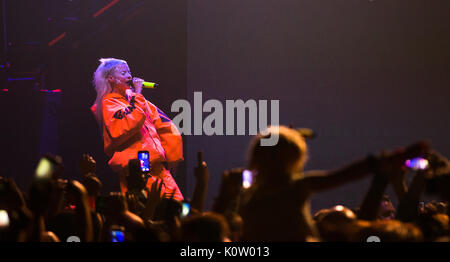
(436, 169)
(138, 172)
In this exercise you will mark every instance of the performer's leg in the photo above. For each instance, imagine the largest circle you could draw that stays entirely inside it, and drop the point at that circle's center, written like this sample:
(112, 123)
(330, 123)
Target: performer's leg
(169, 184)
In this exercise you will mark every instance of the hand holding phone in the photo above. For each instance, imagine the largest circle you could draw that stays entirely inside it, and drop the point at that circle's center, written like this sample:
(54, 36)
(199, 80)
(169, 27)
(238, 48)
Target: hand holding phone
(117, 233)
(50, 167)
(185, 209)
(201, 172)
(44, 169)
(144, 160)
(4, 219)
(233, 181)
(247, 179)
(417, 163)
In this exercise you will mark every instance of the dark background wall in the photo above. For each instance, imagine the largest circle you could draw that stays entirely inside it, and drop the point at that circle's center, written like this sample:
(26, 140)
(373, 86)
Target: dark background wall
(366, 75)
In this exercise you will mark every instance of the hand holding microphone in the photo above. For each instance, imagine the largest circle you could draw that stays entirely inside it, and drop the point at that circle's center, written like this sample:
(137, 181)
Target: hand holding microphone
(138, 84)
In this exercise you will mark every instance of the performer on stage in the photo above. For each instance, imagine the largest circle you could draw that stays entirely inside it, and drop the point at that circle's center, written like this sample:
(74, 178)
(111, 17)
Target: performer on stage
(130, 124)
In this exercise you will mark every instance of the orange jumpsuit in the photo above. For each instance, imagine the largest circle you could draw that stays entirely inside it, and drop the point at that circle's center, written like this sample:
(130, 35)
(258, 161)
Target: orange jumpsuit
(136, 125)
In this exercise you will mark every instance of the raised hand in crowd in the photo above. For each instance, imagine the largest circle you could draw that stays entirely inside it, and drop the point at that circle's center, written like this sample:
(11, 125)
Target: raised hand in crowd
(388, 168)
(153, 199)
(88, 165)
(425, 180)
(386, 164)
(77, 196)
(201, 174)
(18, 225)
(229, 193)
(89, 179)
(117, 215)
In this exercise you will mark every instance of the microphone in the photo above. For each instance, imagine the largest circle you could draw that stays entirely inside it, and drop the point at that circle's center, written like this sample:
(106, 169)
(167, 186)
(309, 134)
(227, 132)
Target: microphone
(149, 84)
(144, 84)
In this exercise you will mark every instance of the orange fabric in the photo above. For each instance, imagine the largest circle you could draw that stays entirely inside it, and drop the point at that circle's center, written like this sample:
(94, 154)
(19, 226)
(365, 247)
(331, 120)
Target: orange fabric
(135, 125)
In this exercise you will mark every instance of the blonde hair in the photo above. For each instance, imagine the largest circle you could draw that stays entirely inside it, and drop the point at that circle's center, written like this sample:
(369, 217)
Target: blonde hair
(285, 158)
(101, 84)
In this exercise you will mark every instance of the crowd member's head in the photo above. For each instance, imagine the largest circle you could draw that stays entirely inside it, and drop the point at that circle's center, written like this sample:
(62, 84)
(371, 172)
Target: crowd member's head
(152, 232)
(207, 227)
(112, 74)
(339, 214)
(235, 224)
(387, 210)
(167, 209)
(336, 224)
(433, 226)
(320, 214)
(117, 215)
(115, 204)
(274, 163)
(435, 207)
(64, 224)
(391, 231)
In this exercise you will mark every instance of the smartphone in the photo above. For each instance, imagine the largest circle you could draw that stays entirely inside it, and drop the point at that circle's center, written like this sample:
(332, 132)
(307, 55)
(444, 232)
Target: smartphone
(117, 234)
(417, 163)
(247, 178)
(185, 209)
(144, 160)
(4, 219)
(44, 169)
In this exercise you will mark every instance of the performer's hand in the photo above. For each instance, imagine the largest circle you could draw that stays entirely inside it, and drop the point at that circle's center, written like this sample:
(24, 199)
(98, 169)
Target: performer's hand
(137, 82)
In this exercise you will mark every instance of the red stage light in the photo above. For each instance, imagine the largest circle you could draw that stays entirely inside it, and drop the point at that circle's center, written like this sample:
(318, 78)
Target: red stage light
(105, 8)
(54, 41)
